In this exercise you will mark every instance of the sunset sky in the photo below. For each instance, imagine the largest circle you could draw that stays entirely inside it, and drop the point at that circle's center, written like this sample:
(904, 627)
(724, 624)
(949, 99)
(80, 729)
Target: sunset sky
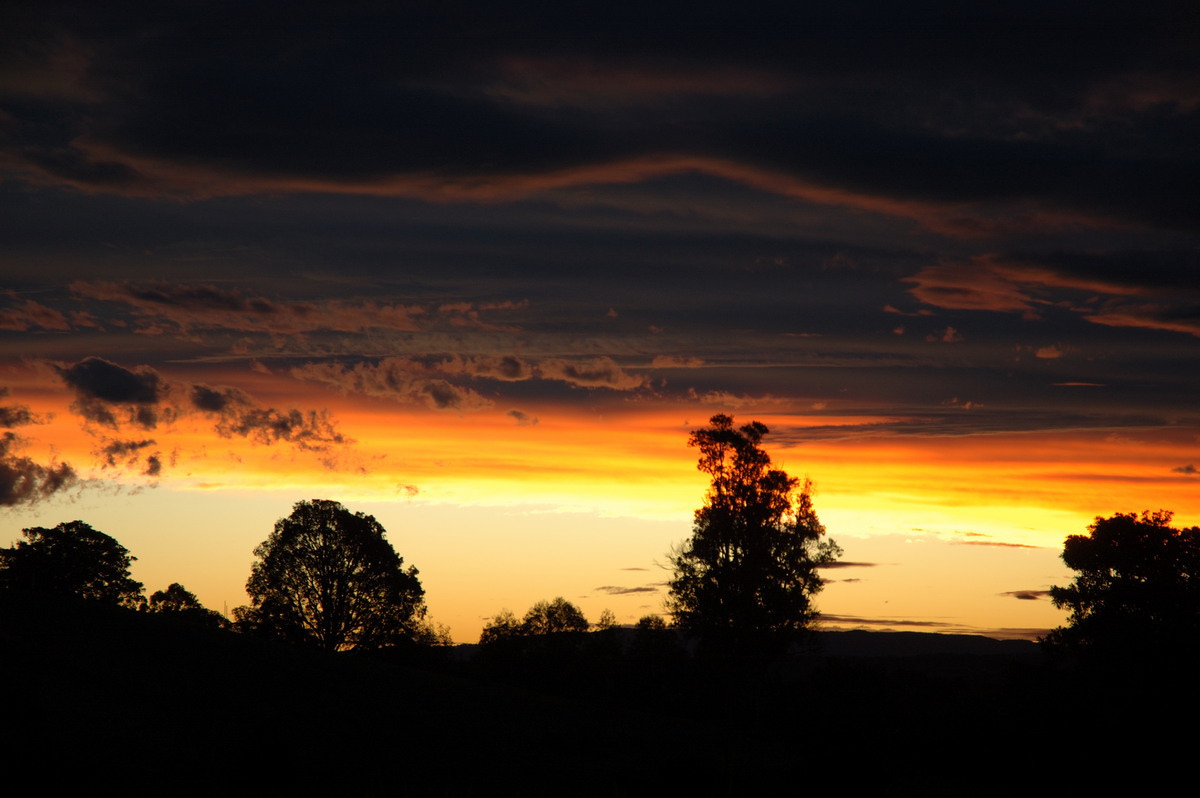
(477, 270)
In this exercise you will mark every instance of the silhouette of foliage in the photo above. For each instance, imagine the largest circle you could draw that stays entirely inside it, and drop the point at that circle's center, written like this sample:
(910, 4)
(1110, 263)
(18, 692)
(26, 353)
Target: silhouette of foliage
(1137, 591)
(71, 559)
(503, 626)
(543, 618)
(179, 602)
(749, 571)
(651, 623)
(553, 617)
(329, 578)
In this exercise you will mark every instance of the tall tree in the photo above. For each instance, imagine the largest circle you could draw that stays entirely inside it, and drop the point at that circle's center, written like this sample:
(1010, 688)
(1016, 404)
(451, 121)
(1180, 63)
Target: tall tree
(329, 577)
(748, 573)
(71, 559)
(1137, 591)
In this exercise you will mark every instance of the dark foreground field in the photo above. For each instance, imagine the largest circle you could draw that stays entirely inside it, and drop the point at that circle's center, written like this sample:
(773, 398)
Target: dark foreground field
(111, 701)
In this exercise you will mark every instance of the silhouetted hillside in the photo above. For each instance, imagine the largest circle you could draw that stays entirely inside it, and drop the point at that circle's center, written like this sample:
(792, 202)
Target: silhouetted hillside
(101, 696)
(108, 699)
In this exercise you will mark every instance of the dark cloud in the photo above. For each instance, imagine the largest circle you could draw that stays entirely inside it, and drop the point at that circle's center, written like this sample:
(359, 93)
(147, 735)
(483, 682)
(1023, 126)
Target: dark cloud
(25, 482)
(847, 564)
(613, 590)
(522, 419)
(508, 368)
(869, 104)
(96, 378)
(115, 452)
(853, 619)
(30, 315)
(1188, 469)
(15, 415)
(217, 400)
(399, 379)
(311, 431)
(1028, 595)
(103, 389)
(598, 372)
(184, 308)
(239, 416)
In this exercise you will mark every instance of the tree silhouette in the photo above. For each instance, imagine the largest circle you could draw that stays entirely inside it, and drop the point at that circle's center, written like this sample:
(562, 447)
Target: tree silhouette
(179, 602)
(71, 559)
(554, 617)
(1137, 591)
(328, 577)
(749, 572)
(503, 626)
(543, 618)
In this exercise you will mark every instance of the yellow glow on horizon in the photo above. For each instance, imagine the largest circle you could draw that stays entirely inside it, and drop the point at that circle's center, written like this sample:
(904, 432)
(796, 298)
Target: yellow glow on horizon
(501, 514)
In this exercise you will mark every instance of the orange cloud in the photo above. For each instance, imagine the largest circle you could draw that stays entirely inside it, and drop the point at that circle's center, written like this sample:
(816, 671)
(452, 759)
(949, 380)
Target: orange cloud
(399, 379)
(29, 315)
(1153, 317)
(597, 372)
(508, 368)
(156, 177)
(987, 282)
(676, 362)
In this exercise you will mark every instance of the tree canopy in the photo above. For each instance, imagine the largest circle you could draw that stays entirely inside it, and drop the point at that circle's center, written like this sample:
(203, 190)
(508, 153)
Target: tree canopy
(749, 571)
(71, 559)
(179, 602)
(329, 577)
(1137, 590)
(543, 618)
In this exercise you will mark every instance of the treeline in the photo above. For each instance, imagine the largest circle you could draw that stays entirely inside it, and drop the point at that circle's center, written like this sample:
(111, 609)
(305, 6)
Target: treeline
(743, 583)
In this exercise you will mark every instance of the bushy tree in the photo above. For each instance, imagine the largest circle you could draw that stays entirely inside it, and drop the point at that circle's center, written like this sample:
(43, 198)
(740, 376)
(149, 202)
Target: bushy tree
(1137, 591)
(750, 570)
(71, 559)
(554, 617)
(328, 577)
(503, 626)
(179, 602)
(543, 618)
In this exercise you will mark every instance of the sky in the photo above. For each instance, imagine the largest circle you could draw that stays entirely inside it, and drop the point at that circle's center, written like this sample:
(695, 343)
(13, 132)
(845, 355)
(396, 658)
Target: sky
(478, 269)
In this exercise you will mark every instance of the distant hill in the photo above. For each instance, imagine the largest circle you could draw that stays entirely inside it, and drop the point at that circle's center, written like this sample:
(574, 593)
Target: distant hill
(861, 643)
(101, 699)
